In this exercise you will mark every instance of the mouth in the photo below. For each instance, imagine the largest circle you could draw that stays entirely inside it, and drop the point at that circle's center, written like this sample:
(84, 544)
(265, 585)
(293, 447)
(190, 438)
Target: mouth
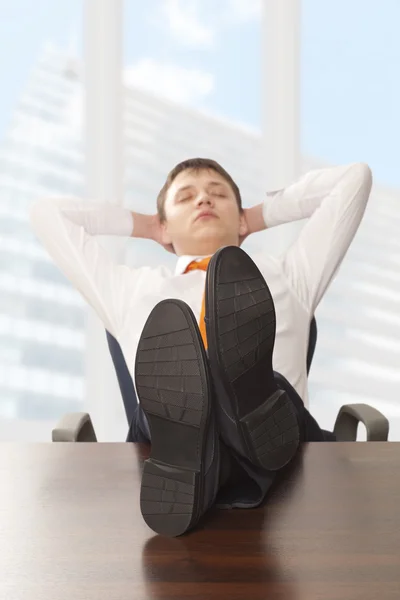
(206, 215)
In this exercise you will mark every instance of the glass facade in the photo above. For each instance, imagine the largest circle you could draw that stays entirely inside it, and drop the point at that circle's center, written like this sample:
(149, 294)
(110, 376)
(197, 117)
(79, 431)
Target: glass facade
(41, 316)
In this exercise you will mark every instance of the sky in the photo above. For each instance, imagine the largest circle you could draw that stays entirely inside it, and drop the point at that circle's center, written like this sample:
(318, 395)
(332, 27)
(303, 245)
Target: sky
(207, 54)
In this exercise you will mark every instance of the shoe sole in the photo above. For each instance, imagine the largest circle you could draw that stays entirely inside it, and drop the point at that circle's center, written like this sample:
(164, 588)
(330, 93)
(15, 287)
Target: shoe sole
(241, 327)
(173, 386)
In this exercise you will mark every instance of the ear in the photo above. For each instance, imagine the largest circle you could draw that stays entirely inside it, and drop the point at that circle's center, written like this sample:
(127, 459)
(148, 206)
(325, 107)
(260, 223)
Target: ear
(243, 226)
(165, 237)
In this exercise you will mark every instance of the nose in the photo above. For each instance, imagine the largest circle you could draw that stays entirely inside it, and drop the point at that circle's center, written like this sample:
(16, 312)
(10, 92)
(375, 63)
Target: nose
(204, 198)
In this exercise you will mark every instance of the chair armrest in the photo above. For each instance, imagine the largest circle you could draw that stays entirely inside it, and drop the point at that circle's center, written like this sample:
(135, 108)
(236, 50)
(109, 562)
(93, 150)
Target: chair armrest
(351, 415)
(74, 427)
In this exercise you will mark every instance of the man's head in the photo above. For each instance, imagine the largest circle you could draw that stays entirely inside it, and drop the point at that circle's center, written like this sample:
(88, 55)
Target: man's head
(200, 208)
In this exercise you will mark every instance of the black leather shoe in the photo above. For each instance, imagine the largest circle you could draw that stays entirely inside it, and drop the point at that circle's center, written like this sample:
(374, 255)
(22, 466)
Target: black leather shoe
(256, 418)
(174, 385)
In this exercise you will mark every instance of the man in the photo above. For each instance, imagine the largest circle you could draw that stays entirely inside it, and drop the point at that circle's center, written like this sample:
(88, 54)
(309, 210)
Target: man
(204, 411)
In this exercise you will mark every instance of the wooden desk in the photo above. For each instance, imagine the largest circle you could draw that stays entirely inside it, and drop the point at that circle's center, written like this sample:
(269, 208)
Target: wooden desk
(70, 528)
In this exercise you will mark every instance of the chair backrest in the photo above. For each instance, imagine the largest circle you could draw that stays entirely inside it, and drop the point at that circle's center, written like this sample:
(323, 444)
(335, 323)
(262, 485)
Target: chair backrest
(125, 382)
(312, 342)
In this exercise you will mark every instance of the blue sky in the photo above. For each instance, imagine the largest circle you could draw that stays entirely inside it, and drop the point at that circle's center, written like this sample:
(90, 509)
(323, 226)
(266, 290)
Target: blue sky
(350, 65)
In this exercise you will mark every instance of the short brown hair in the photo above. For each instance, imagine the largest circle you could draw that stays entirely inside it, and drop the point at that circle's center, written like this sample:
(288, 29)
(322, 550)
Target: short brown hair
(195, 164)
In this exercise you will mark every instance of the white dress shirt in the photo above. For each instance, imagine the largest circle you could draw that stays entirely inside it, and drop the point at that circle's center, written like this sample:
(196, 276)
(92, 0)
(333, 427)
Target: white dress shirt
(333, 200)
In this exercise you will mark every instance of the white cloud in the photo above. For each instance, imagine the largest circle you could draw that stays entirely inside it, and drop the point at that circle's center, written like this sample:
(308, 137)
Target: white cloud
(185, 25)
(196, 23)
(170, 81)
(241, 11)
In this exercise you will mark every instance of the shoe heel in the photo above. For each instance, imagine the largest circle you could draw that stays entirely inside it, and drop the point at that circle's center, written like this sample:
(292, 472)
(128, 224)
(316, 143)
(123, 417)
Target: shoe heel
(272, 432)
(168, 498)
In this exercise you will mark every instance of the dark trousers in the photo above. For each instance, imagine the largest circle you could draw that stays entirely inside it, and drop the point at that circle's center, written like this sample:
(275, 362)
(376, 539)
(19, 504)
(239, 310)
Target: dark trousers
(244, 485)
(310, 431)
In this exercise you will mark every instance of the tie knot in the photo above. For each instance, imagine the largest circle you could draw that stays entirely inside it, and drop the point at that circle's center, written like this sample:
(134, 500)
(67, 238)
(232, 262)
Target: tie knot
(198, 264)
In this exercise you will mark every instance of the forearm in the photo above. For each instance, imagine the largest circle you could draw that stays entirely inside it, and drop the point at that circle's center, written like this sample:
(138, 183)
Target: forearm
(96, 218)
(303, 198)
(109, 219)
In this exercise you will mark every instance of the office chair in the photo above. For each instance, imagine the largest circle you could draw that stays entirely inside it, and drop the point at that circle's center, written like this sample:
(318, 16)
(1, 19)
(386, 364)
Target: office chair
(77, 427)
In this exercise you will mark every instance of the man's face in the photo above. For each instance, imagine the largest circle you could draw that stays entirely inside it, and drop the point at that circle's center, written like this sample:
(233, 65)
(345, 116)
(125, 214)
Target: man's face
(201, 207)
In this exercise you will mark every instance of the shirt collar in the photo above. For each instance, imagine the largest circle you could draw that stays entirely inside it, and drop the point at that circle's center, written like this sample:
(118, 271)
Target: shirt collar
(184, 261)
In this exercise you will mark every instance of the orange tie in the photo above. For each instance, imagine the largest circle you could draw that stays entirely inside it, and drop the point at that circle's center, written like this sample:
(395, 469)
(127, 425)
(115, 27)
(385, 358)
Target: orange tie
(202, 265)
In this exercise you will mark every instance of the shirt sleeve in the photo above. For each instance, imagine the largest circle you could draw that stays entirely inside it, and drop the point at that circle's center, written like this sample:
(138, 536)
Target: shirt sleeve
(334, 201)
(67, 228)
